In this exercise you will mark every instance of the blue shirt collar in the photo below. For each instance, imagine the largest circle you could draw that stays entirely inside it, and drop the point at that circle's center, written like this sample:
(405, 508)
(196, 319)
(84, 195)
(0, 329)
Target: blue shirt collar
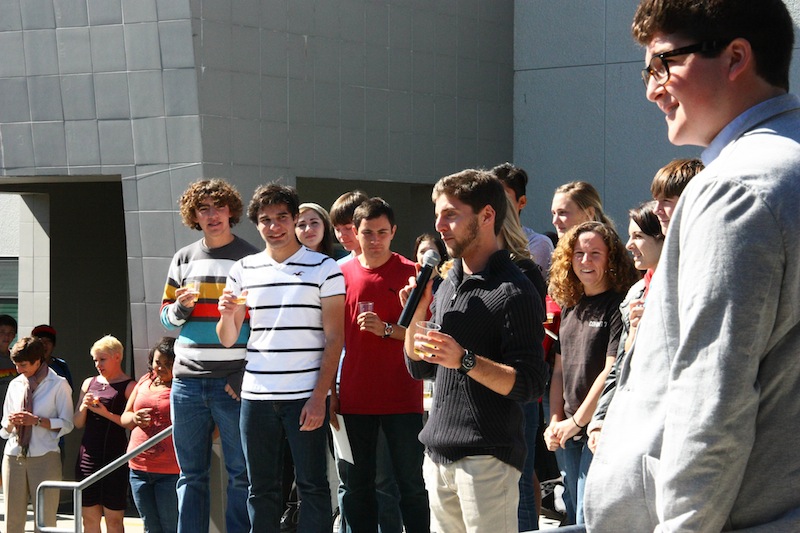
(747, 121)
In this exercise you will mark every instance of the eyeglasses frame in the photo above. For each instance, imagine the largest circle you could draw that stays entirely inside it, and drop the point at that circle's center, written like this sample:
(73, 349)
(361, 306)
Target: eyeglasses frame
(697, 48)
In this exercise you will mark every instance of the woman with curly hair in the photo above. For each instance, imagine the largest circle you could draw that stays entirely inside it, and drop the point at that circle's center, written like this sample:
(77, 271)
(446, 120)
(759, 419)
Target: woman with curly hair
(589, 277)
(645, 243)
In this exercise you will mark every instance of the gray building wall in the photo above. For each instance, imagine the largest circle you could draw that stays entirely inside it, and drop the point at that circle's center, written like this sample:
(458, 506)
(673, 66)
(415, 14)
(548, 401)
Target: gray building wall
(580, 111)
(152, 94)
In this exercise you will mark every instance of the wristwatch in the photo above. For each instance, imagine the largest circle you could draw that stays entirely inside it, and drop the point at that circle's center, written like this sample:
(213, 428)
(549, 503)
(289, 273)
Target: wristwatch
(467, 362)
(388, 329)
(38, 420)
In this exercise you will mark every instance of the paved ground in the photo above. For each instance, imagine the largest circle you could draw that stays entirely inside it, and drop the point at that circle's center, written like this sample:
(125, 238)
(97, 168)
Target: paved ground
(134, 524)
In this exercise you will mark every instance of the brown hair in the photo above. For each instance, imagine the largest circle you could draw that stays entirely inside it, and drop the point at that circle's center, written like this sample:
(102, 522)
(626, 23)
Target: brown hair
(765, 24)
(273, 194)
(221, 193)
(27, 349)
(477, 189)
(343, 208)
(672, 178)
(326, 245)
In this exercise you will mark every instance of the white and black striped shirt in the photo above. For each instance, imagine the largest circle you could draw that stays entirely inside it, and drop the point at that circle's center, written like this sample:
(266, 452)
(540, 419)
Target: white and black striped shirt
(287, 340)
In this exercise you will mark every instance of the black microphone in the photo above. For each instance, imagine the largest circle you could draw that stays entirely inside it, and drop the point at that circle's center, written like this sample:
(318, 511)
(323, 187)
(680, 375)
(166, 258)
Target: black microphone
(430, 260)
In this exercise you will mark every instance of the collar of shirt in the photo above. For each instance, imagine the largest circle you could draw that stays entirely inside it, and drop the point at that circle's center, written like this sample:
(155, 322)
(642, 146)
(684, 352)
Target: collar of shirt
(747, 121)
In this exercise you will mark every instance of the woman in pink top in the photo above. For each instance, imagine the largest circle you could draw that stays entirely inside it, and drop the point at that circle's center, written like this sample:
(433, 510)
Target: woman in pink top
(154, 473)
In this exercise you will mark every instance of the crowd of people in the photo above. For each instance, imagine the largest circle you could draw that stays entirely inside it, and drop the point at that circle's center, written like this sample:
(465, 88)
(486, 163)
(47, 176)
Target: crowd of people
(665, 384)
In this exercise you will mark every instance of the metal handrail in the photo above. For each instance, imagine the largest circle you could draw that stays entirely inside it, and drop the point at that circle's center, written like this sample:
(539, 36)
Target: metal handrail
(77, 487)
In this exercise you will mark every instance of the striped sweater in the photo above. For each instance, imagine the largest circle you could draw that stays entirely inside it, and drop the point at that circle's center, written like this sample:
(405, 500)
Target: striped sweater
(198, 352)
(496, 314)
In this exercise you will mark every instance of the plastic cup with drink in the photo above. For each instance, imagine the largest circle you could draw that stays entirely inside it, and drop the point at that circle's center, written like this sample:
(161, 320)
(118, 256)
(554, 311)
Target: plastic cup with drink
(424, 327)
(192, 287)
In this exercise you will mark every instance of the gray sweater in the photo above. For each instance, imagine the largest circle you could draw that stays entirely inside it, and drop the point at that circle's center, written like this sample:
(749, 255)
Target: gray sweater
(702, 433)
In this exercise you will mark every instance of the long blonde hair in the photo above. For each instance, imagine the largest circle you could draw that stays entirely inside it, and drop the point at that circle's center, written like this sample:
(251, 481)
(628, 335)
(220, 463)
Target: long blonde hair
(512, 237)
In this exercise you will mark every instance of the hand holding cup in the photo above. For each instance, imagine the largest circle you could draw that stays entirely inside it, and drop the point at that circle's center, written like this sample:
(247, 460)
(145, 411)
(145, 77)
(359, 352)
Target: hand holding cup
(422, 346)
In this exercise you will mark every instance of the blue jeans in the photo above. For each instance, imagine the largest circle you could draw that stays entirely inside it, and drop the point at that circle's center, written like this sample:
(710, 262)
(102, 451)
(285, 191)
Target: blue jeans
(156, 500)
(198, 404)
(390, 520)
(358, 502)
(527, 516)
(574, 461)
(264, 424)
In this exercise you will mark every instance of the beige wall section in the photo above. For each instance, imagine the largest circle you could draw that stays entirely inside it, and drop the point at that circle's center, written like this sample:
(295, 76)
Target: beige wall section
(9, 228)
(34, 262)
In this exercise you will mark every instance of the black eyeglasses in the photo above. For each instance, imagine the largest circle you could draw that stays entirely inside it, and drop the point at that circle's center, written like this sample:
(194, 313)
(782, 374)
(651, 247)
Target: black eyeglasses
(659, 66)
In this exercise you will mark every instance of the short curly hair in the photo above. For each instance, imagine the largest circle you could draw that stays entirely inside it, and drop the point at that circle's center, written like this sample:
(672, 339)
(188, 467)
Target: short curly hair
(108, 345)
(565, 287)
(219, 190)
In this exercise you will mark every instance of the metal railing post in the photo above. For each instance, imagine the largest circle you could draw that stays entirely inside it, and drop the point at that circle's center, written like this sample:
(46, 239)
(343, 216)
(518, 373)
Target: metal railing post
(78, 487)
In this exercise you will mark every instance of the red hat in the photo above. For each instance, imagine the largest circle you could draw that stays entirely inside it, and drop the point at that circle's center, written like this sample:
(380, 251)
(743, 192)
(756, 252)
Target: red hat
(43, 330)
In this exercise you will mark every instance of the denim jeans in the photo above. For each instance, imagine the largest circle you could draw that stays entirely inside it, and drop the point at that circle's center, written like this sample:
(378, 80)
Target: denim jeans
(198, 404)
(390, 520)
(527, 515)
(574, 461)
(264, 424)
(358, 502)
(156, 500)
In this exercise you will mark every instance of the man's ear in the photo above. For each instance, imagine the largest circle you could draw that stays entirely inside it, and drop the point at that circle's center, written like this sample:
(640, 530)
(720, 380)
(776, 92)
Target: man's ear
(522, 202)
(740, 58)
(487, 215)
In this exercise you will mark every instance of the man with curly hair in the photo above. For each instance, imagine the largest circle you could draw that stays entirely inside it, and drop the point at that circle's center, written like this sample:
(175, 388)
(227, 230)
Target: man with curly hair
(701, 433)
(207, 376)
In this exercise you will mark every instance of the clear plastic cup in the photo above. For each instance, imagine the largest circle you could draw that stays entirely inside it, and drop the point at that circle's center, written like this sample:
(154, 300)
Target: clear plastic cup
(193, 287)
(424, 327)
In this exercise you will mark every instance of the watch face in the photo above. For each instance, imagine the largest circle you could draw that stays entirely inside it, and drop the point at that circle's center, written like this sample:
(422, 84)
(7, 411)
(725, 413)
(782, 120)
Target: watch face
(468, 361)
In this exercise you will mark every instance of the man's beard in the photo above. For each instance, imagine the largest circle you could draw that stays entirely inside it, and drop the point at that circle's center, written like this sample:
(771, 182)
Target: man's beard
(459, 245)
